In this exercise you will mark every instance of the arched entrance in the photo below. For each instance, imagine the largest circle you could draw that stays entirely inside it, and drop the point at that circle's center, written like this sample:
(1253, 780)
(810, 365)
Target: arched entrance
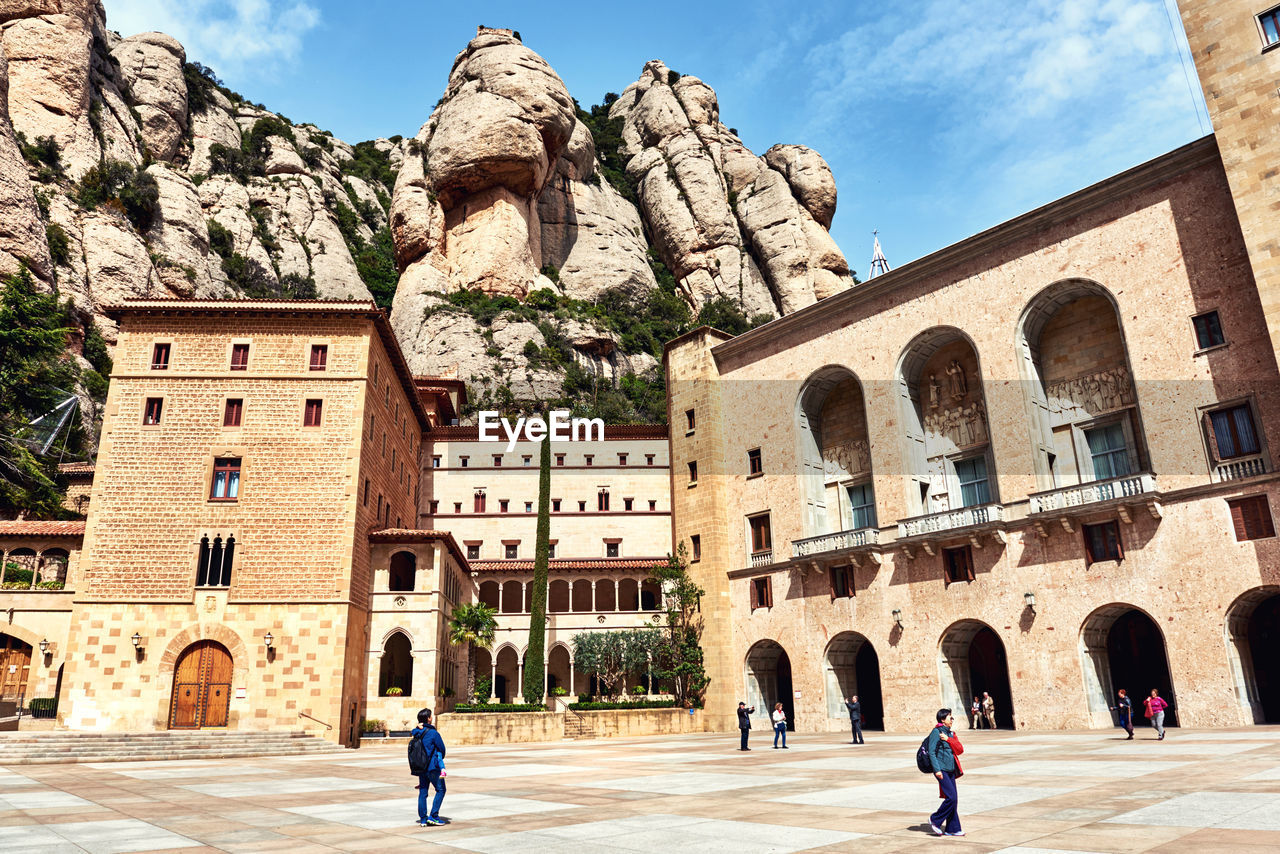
(560, 669)
(768, 680)
(1253, 636)
(201, 687)
(1122, 647)
(15, 667)
(971, 662)
(506, 681)
(852, 667)
(396, 668)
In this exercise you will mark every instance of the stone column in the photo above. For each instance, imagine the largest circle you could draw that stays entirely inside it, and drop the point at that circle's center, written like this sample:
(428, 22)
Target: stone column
(519, 697)
(493, 679)
(573, 677)
(595, 606)
(4, 564)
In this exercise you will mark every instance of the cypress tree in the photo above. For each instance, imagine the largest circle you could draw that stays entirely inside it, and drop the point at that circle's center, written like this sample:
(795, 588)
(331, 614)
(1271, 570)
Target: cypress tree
(534, 675)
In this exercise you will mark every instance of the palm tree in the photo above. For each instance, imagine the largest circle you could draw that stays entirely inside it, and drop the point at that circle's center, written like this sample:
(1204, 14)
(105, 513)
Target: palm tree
(472, 624)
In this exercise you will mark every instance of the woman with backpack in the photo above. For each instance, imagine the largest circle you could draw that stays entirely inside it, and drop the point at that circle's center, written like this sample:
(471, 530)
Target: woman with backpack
(942, 748)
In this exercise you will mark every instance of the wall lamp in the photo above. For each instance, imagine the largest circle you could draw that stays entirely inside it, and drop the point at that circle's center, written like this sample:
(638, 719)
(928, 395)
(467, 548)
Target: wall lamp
(44, 646)
(897, 616)
(139, 645)
(268, 640)
(1030, 599)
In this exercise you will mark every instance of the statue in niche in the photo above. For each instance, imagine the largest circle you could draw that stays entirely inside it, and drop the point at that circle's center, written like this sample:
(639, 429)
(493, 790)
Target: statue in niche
(951, 426)
(1124, 384)
(956, 383)
(935, 388)
(975, 424)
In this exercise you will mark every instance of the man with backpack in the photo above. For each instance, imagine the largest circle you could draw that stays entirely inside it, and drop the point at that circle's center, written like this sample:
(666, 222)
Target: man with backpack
(426, 762)
(937, 755)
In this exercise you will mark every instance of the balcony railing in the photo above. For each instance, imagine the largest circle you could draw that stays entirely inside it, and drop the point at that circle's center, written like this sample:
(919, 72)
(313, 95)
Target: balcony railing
(837, 542)
(1095, 492)
(939, 523)
(1240, 468)
(759, 559)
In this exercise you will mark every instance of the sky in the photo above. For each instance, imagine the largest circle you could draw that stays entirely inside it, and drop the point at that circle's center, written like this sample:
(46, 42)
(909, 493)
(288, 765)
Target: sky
(938, 119)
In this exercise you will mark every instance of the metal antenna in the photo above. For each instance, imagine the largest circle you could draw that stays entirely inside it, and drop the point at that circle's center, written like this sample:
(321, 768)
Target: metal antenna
(879, 263)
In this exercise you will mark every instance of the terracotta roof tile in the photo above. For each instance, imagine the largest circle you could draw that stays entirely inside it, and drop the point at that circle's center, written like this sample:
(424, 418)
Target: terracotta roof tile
(37, 528)
(411, 535)
(76, 468)
(565, 564)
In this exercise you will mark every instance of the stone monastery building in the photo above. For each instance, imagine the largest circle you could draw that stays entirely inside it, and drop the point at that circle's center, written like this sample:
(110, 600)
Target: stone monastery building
(1037, 464)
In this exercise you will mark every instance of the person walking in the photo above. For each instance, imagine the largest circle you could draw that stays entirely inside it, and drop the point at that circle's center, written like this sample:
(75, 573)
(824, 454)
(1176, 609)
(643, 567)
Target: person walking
(975, 714)
(855, 718)
(1124, 709)
(1155, 706)
(989, 710)
(943, 747)
(744, 722)
(426, 761)
(779, 726)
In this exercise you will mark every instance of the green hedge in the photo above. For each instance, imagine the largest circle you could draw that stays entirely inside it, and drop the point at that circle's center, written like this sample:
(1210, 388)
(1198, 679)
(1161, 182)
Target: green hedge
(466, 708)
(627, 704)
(42, 707)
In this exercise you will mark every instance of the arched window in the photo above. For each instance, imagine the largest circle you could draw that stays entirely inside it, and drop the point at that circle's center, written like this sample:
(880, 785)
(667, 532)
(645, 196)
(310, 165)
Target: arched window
(396, 668)
(835, 453)
(490, 593)
(53, 569)
(215, 561)
(404, 567)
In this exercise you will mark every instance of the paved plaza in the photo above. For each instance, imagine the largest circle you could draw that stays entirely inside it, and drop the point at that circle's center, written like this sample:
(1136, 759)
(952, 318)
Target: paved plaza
(1022, 793)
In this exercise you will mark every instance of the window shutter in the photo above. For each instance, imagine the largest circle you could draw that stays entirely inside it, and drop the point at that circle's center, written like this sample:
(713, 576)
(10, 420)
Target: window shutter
(831, 580)
(1238, 521)
(1211, 437)
(968, 564)
(1115, 528)
(755, 598)
(768, 592)
(1266, 527)
(1090, 557)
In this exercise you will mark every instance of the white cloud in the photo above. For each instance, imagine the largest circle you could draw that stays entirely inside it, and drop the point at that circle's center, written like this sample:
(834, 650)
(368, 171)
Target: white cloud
(238, 38)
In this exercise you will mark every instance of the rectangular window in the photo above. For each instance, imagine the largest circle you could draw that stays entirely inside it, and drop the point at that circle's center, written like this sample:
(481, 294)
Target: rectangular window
(473, 551)
(216, 558)
(972, 474)
(761, 537)
(226, 480)
(862, 504)
(612, 549)
(497, 461)
(1233, 432)
(551, 550)
(1109, 451)
(1208, 330)
(841, 578)
(528, 507)
(511, 550)
(155, 407)
(761, 593)
(622, 459)
(319, 357)
(628, 503)
(695, 545)
(648, 459)
(1252, 518)
(754, 465)
(1269, 24)
(433, 506)
(526, 460)
(366, 492)
(435, 462)
(693, 472)
(239, 357)
(457, 507)
(582, 507)
(559, 459)
(1102, 542)
(690, 420)
(555, 505)
(602, 501)
(588, 459)
(232, 413)
(160, 357)
(653, 504)
(957, 564)
(503, 504)
(311, 417)
(478, 503)
(463, 461)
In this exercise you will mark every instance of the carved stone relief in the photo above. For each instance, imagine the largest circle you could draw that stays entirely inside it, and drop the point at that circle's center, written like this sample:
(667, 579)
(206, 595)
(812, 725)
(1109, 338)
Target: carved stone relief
(846, 460)
(953, 428)
(1091, 394)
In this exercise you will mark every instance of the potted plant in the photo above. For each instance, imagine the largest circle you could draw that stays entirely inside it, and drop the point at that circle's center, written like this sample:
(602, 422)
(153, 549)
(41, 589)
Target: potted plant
(394, 691)
(559, 691)
(638, 691)
(373, 729)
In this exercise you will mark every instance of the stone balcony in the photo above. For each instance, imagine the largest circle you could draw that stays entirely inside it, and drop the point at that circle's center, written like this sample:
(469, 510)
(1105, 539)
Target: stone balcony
(935, 529)
(761, 558)
(1123, 494)
(1240, 468)
(853, 544)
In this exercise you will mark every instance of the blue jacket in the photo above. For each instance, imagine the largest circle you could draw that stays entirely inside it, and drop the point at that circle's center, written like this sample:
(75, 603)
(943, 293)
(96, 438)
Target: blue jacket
(434, 745)
(940, 751)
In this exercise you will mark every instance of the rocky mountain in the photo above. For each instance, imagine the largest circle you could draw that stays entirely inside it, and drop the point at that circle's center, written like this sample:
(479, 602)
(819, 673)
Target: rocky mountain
(537, 249)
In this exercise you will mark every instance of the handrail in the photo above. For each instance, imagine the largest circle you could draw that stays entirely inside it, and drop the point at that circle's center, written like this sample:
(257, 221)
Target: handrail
(317, 720)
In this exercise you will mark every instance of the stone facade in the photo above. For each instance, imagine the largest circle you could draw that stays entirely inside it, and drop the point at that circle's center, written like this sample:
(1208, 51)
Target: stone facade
(1094, 424)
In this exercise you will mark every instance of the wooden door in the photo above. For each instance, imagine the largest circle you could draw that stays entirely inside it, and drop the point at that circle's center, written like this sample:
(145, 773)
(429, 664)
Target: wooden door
(15, 666)
(201, 687)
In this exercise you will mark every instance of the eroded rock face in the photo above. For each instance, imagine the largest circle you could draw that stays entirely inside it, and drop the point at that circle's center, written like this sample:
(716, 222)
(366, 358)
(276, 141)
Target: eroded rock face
(22, 238)
(152, 65)
(727, 223)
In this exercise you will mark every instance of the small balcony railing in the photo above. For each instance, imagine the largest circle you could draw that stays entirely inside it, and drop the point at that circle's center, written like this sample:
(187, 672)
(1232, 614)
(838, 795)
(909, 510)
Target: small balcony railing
(1239, 469)
(950, 520)
(837, 542)
(759, 559)
(1084, 494)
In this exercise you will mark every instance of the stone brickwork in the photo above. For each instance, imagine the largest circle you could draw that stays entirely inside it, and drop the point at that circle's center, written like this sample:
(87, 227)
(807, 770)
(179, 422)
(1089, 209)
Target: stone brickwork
(1161, 235)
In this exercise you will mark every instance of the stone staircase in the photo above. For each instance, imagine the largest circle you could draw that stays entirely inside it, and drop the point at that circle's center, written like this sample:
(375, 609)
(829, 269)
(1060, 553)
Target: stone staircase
(32, 748)
(576, 726)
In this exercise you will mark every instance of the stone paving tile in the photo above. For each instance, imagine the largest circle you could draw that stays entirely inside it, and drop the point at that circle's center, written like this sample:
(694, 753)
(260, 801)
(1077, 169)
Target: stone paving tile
(119, 836)
(921, 797)
(306, 785)
(1078, 768)
(685, 783)
(526, 769)
(1238, 810)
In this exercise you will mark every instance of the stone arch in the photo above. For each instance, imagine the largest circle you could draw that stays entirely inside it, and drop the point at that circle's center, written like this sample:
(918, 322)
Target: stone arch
(490, 593)
(1253, 636)
(946, 442)
(851, 666)
(560, 667)
(512, 597)
(767, 676)
(558, 597)
(395, 665)
(606, 595)
(1122, 646)
(834, 449)
(971, 661)
(1085, 423)
(650, 595)
(507, 660)
(628, 594)
(581, 596)
(403, 569)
